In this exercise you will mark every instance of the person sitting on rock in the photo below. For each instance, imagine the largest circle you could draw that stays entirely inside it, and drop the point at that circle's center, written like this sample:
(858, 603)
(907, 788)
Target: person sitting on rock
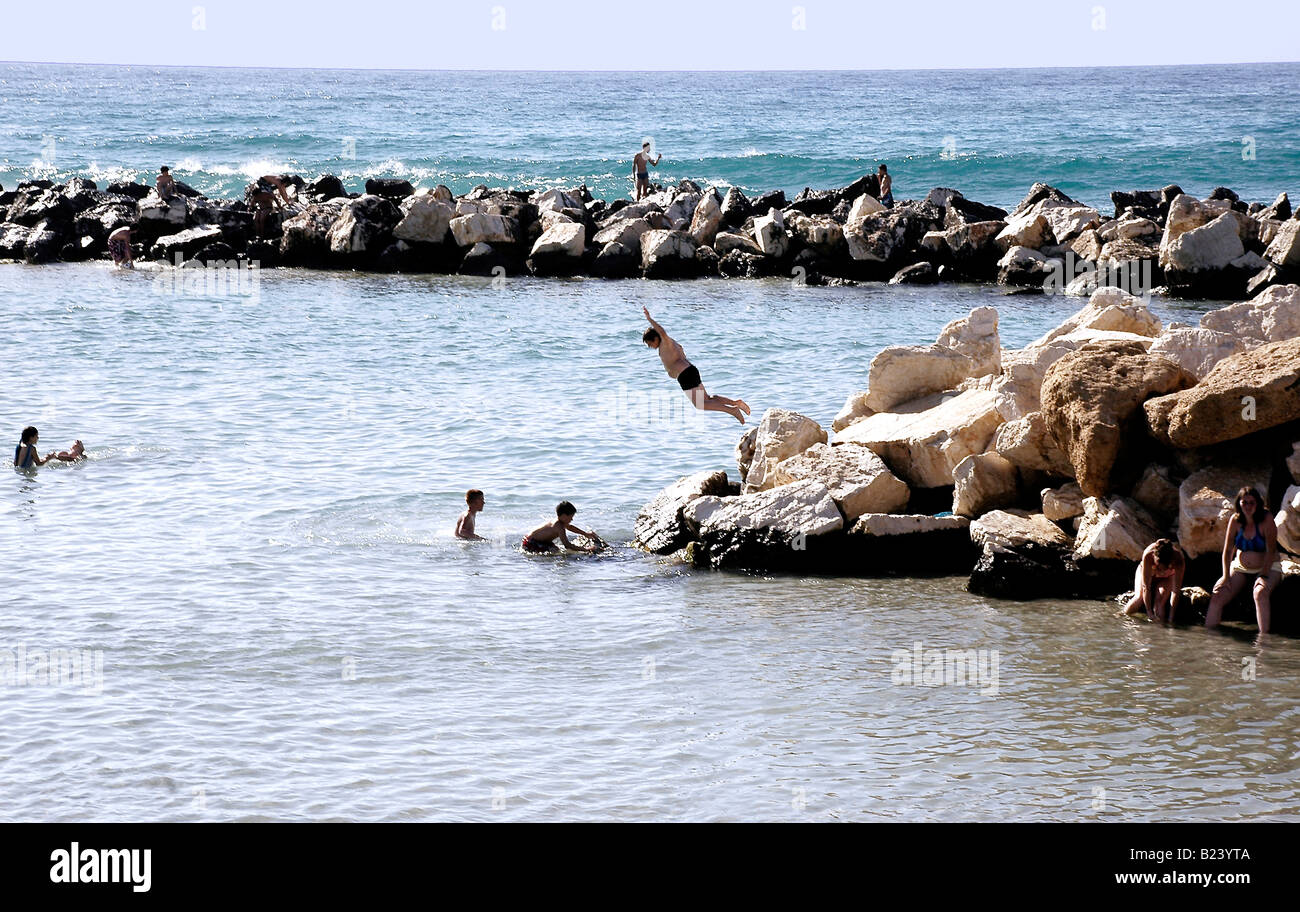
(542, 539)
(641, 168)
(1249, 554)
(119, 247)
(465, 525)
(1158, 583)
(687, 374)
(886, 188)
(165, 184)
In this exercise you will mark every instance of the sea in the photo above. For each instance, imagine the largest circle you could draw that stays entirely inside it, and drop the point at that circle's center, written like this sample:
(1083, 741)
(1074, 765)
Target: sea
(248, 602)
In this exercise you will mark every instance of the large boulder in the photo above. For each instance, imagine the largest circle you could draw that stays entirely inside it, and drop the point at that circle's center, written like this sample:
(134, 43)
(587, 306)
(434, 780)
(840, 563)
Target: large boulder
(966, 347)
(923, 441)
(1270, 316)
(627, 232)
(159, 215)
(858, 479)
(556, 200)
(1288, 520)
(781, 434)
(1028, 444)
(660, 526)
(707, 220)
(1209, 247)
(770, 235)
(726, 242)
(973, 249)
(1205, 501)
(1196, 349)
(821, 234)
(1246, 392)
(1090, 400)
(735, 208)
(365, 226)
(1116, 528)
(1062, 503)
(558, 250)
(983, 482)
(425, 219)
(389, 187)
(184, 244)
(916, 544)
(617, 261)
(765, 529)
(1157, 491)
(305, 237)
(1108, 309)
(1284, 249)
(484, 228)
(1029, 229)
(1016, 529)
(667, 254)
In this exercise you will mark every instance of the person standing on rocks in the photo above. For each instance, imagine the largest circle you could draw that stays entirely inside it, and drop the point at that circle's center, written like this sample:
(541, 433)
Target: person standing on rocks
(641, 163)
(886, 188)
(1249, 556)
(268, 191)
(687, 374)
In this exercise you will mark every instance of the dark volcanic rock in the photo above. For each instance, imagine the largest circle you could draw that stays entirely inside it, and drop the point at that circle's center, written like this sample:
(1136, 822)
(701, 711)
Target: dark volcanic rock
(616, 261)
(326, 187)
(389, 188)
(133, 190)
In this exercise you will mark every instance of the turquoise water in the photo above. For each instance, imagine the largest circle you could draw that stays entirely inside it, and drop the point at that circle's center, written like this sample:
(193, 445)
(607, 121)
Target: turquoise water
(988, 133)
(260, 545)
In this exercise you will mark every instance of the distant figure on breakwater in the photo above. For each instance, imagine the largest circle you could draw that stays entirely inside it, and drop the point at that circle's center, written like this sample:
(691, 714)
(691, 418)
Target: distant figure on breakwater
(1248, 557)
(542, 539)
(165, 184)
(886, 188)
(1158, 583)
(26, 457)
(641, 163)
(474, 501)
(687, 374)
(119, 247)
(268, 190)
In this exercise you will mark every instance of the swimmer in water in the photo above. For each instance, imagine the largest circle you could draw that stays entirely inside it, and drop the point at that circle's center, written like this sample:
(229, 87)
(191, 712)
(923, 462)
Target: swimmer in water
(542, 539)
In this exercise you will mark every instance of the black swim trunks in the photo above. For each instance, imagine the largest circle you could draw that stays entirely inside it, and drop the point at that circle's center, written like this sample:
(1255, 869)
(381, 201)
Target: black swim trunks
(689, 378)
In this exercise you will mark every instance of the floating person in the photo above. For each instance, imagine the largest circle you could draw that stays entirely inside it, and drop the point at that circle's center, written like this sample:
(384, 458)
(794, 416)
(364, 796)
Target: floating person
(1158, 583)
(886, 188)
(119, 248)
(687, 374)
(542, 539)
(1249, 555)
(165, 184)
(641, 168)
(26, 457)
(474, 501)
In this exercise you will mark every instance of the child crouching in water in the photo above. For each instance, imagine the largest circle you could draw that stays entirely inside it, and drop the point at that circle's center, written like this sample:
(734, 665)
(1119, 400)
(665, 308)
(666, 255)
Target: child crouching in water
(542, 539)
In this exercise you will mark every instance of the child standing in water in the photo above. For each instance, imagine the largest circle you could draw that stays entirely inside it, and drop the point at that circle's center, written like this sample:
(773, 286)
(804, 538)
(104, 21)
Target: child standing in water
(542, 539)
(474, 501)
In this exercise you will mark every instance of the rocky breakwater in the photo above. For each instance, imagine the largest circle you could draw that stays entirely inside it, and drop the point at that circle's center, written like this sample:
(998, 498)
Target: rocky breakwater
(1219, 246)
(1041, 472)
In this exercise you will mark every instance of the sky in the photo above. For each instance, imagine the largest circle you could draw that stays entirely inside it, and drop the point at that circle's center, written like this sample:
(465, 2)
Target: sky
(650, 35)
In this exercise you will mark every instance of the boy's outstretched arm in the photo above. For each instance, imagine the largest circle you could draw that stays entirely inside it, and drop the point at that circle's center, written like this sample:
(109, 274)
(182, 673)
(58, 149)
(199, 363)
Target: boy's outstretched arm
(663, 333)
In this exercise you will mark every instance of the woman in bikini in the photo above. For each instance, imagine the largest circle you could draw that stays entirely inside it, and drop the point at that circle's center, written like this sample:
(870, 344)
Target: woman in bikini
(1249, 556)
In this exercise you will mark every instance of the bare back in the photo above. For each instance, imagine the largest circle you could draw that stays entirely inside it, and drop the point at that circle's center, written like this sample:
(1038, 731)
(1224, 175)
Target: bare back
(673, 357)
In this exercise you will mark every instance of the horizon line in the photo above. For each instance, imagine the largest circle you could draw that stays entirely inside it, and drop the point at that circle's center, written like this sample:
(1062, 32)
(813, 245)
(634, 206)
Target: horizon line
(900, 69)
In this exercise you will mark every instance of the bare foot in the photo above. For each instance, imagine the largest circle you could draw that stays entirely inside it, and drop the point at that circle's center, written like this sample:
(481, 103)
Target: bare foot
(741, 404)
(739, 415)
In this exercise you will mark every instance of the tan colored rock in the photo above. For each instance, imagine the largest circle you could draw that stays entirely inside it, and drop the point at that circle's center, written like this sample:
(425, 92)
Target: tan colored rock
(769, 234)
(922, 441)
(1205, 505)
(855, 407)
(966, 347)
(1212, 246)
(781, 434)
(622, 231)
(1270, 316)
(707, 219)
(1087, 246)
(665, 245)
(1010, 529)
(885, 524)
(1028, 444)
(745, 451)
(864, 205)
(983, 482)
(1288, 520)
(1247, 392)
(555, 200)
(726, 242)
(1065, 502)
(858, 479)
(803, 507)
(818, 232)
(1157, 491)
(1029, 229)
(1067, 222)
(1284, 247)
(1196, 349)
(561, 239)
(1090, 398)
(425, 218)
(482, 228)
(1116, 528)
